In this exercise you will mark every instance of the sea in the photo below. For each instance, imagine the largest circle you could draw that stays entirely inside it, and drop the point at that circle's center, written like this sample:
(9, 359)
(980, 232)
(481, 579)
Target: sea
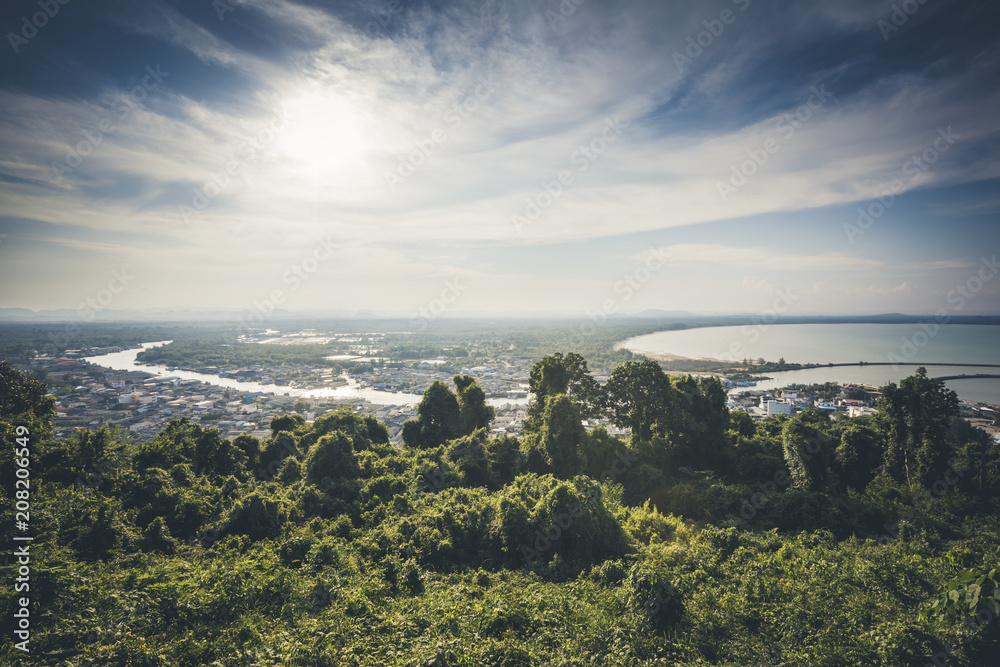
(903, 346)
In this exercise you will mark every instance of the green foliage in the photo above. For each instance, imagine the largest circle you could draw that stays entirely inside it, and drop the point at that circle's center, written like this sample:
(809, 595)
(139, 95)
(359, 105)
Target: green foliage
(557, 374)
(646, 525)
(639, 396)
(858, 456)
(442, 416)
(914, 420)
(330, 459)
(809, 453)
(286, 423)
(562, 436)
(473, 412)
(970, 595)
(21, 392)
(699, 545)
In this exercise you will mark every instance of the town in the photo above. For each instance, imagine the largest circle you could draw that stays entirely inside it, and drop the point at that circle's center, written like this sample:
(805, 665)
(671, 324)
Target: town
(142, 403)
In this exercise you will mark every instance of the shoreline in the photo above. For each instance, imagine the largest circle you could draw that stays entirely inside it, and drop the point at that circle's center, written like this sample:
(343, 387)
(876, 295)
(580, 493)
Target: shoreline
(667, 357)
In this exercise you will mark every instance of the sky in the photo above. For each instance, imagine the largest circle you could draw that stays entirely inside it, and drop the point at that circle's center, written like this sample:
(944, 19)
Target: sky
(539, 156)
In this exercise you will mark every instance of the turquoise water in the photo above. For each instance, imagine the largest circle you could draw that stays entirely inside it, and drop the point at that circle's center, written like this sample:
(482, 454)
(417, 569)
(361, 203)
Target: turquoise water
(845, 343)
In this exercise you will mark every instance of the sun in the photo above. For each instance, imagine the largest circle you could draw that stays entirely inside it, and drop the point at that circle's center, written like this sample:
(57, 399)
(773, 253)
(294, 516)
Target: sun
(324, 136)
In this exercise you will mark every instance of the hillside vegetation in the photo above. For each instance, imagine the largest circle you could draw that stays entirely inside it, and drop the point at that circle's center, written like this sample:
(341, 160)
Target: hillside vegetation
(705, 539)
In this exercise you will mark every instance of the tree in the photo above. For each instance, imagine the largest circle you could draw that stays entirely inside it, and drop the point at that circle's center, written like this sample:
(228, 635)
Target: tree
(505, 460)
(250, 446)
(858, 456)
(20, 392)
(742, 423)
(698, 423)
(556, 374)
(562, 436)
(857, 394)
(438, 418)
(638, 395)
(286, 423)
(809, 454)
(979, 457)
(473, 412)
(913, 419)
(365, 431)
(331, 458)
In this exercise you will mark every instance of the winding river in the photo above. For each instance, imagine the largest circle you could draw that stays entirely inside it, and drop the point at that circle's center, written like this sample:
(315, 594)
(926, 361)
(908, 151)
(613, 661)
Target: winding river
(126, 361)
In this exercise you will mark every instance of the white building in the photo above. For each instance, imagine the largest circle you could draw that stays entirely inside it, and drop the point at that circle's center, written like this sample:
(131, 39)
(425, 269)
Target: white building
(778, 408)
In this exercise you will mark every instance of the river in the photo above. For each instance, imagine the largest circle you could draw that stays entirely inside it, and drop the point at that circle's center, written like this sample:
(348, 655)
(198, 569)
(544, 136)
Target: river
(125, 361)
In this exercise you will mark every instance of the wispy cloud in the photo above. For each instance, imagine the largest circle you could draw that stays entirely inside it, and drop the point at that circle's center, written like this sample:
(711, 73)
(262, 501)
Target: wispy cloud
(361, 102)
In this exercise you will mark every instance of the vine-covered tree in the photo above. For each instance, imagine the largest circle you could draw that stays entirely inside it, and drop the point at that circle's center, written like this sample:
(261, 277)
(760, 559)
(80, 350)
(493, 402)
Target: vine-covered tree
(331, 458)
(914, 419)
(562, 436)
(809, 454)
(858, 456)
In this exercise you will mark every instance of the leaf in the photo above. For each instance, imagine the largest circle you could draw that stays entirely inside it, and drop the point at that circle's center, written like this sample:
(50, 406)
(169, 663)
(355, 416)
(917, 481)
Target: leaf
(953, 595)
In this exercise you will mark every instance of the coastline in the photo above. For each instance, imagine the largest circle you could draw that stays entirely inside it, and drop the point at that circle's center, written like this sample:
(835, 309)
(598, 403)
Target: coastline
(843, 372)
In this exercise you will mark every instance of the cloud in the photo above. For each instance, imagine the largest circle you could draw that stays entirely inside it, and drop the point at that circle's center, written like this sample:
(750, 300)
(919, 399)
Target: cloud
(489, 112)
(763, 258)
